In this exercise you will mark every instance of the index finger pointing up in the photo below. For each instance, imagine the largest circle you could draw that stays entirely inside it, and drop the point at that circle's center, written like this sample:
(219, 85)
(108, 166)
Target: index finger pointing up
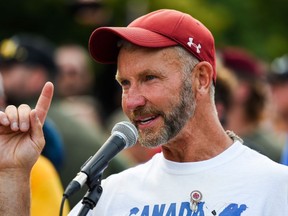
(44, 101)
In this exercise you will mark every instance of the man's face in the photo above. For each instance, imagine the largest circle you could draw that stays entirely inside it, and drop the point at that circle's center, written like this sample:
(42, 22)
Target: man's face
(156, 96)
(280, 100)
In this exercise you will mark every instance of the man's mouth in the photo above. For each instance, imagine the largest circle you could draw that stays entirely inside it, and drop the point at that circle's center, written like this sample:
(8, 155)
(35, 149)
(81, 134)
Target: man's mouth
(146, 120)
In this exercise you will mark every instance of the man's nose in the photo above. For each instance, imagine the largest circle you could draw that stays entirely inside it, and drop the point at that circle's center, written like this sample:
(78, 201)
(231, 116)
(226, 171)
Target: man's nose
(134, 99)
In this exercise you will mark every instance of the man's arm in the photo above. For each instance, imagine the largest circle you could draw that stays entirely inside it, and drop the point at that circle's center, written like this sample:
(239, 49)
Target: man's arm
(21, 142)
(14, 193)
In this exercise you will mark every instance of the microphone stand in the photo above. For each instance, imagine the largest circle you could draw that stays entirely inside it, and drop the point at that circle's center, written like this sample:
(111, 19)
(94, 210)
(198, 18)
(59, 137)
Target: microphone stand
(92, 196)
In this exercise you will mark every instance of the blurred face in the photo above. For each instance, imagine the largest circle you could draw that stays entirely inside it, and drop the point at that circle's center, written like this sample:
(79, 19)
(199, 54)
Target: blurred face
(155, 95)
(280, 100)
(16, 82)
(74, 77)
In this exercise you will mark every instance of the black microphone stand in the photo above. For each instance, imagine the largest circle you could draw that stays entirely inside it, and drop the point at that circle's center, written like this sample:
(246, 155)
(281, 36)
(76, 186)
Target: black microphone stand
(92, 196)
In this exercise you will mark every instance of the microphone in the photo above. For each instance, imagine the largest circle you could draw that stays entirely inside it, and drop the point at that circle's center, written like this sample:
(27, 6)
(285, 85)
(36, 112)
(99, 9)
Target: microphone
(123, 135)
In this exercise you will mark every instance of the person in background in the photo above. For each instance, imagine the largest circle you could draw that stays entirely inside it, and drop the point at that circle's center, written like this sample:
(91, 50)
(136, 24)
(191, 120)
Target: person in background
(224, 92)
(76, 75)
(278, 80)
(26, 64)
(168, 76)
(74, 86)
(46, 186)
(248, 114)
(27, 61)
(78, 114)
(46, 189)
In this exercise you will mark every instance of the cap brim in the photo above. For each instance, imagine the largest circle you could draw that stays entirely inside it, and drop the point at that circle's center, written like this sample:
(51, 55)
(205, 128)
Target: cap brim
(103, 42)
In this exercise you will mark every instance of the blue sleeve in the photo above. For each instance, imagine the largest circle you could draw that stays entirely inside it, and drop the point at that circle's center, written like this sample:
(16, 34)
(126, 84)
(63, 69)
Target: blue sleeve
(284, 156)
(54, 147)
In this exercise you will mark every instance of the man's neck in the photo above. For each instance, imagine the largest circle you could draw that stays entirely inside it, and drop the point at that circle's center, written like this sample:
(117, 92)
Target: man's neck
(197, 141)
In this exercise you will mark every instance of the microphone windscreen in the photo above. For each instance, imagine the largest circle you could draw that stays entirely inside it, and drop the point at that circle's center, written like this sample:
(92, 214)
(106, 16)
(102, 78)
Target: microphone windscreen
(128, 131)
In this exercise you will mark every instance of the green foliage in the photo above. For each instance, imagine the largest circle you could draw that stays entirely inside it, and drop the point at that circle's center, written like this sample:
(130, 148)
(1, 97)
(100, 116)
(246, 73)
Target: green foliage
(51, 18)
(258, 25)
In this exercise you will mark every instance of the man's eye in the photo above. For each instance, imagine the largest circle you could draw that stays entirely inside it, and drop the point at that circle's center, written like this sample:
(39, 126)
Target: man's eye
(149, 77)
(124, 83)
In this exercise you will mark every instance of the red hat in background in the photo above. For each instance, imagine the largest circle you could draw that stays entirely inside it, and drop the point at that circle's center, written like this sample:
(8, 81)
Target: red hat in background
(241, 62)
(158, 29)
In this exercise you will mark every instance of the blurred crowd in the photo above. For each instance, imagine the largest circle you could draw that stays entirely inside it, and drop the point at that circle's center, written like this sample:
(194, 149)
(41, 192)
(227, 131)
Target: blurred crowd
(251, 99)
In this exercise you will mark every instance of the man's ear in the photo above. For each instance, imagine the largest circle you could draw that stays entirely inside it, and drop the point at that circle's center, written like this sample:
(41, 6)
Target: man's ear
(203, 76)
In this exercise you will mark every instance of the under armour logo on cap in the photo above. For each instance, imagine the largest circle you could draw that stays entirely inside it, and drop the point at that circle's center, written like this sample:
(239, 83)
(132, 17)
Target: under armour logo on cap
(190, 44)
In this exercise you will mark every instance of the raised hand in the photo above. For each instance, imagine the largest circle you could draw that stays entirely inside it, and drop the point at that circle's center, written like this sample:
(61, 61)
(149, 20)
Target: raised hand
(21, 142)
(21, 135)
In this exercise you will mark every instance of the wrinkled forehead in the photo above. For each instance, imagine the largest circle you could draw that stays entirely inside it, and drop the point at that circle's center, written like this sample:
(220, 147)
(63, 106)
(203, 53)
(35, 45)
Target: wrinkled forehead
(135, 60)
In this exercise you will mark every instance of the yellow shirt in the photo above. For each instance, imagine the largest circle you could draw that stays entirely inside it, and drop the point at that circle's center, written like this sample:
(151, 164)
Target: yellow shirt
(46, 190)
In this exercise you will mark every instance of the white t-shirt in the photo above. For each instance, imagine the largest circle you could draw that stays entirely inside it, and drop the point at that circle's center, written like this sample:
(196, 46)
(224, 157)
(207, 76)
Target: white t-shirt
(238, 182)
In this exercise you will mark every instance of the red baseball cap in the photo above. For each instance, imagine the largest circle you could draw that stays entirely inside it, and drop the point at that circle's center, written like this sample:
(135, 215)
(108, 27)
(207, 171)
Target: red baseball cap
(158, 29)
